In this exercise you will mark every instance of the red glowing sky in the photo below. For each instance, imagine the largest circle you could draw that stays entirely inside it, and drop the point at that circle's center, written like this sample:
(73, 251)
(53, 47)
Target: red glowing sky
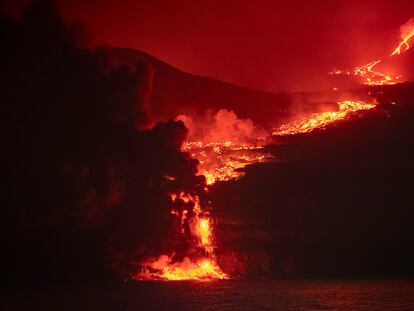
(269, 45)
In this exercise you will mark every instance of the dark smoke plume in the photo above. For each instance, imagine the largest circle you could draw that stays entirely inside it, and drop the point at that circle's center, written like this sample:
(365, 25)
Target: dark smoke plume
(86, 180)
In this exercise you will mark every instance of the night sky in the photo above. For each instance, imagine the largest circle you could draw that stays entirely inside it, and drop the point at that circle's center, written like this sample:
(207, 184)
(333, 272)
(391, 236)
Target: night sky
(268, 45)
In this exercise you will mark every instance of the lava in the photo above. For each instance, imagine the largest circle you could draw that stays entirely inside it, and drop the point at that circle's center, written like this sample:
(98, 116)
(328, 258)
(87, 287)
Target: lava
(227, 145)
(196, 267)
(370, 76)
(187, 269)
(323, 119)
(221, 161)
(407, 32)
(403, 46)
(373, 77)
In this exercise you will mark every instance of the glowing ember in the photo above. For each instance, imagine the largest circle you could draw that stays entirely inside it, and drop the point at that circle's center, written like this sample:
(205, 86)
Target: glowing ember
(219, 161)
(323, 119)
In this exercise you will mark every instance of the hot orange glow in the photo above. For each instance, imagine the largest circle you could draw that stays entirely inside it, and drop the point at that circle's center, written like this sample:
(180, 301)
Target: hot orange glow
(203, 231)
(323, 119)
(219, 161)
(373, 77)
(403, 46)
(229, 146)
(203, 269)
(370, 76)
(407, 32)
(196, 267)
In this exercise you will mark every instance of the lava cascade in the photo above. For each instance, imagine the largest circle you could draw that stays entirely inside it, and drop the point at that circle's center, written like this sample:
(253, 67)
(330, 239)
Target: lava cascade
(197, 224)
(218, 161)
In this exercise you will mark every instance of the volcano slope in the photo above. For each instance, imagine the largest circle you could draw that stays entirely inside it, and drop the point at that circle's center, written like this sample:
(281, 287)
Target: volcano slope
(335, 203)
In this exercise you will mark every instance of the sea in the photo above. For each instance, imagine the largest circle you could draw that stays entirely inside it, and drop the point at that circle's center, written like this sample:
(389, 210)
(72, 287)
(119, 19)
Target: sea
(224, 295)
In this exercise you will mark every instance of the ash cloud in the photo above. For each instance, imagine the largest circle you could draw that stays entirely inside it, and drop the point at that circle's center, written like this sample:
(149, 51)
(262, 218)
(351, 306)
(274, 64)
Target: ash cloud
(86, 193)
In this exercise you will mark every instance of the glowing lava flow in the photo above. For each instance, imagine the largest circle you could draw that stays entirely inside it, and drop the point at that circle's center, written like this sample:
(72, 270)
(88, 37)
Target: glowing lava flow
(197, 227)
(204, 269)
(374, 77)
(228, 145)
(407, 32)
(220, 161)
(369, 75)
(323, 119)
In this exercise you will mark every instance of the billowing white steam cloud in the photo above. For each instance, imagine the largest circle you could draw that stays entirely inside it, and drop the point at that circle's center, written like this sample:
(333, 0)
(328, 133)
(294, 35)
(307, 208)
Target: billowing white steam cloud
(223, 126)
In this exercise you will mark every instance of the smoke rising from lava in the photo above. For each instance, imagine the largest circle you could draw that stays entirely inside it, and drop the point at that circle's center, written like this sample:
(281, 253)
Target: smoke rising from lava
(223, 126)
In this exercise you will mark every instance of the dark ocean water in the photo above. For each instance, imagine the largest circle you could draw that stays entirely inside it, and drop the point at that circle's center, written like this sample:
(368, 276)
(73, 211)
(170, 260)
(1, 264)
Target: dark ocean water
(225, 295)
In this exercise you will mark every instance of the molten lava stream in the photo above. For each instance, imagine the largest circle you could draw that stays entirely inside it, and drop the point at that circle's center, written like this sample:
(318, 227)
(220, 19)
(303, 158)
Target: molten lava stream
(323, 119)
(373, 77)
(201, 267)
(220, 161)
(187, 269)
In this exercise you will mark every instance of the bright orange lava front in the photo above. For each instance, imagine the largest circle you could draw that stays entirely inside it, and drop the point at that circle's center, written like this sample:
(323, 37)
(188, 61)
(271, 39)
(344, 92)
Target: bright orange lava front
(200, 268)
(323, 119)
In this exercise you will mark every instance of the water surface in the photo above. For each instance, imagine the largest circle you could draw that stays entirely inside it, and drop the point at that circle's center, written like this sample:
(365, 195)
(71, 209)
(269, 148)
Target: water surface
(227, 295)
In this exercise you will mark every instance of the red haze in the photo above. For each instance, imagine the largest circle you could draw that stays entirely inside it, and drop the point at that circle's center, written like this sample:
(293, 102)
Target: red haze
(268, 45)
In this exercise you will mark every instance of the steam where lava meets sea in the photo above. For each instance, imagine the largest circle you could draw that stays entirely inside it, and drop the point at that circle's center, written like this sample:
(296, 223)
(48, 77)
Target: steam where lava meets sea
(108, 178)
